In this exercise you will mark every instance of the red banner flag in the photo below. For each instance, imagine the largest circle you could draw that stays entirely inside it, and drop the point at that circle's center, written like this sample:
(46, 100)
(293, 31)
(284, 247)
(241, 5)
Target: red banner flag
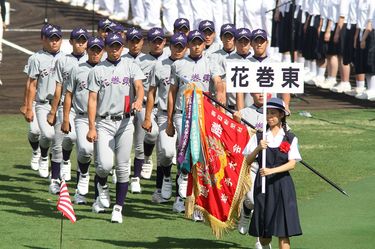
(219, 184)
(64, 205)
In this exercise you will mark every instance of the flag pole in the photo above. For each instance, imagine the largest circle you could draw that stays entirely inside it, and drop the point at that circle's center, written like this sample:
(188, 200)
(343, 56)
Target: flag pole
(302, 162)
(61, 230)
(264, 138)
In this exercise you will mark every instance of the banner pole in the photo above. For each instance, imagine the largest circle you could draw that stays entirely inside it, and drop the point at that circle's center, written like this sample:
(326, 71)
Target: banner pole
(61, 230)
(264, 138)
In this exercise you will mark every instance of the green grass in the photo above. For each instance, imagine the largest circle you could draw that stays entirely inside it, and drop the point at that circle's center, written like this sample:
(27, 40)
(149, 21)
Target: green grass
(338, 143)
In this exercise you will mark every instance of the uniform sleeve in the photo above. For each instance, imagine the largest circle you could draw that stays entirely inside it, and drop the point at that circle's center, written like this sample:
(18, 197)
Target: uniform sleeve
(371, 13)
(27, 66)
(293, 153)
(71, 82)
(93, 81)
(251, 145)
(136, 72)
(216, 70)
(34, 68)
(59, 71)
(153, 78)
(174, 78)
(344, 8)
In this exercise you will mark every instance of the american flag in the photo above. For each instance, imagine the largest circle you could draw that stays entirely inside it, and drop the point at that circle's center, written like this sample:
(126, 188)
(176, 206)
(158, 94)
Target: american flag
(64, 204)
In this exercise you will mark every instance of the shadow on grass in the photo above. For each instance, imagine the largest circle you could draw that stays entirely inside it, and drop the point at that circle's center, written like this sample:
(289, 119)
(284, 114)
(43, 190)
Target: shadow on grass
(172, 242)
(36, 247)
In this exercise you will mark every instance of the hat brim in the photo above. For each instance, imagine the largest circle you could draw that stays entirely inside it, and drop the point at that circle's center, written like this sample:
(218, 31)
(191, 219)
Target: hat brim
(227, 32)
(210, 28)
(135, 36)
(183, 44)
(55, 34)
(110, 44)
(196, 37)
(243, 36)
(182, 26)
(84, 35)
(96, 45)
(157, 37)
(261, 36)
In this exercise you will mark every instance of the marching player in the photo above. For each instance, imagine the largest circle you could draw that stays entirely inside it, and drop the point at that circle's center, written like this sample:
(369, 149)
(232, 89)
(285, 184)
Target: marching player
(110, 103)
(77, 96)
(208, 29)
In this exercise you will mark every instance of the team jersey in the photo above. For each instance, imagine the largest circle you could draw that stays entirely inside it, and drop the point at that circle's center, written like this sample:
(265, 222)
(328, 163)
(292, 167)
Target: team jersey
(200, 71)
(64, 66)
(29, 61)
(114, 83)
(43, 68)
(161, 79)
(77, 84)
(252, 115)
(212, 49)
(147, 62)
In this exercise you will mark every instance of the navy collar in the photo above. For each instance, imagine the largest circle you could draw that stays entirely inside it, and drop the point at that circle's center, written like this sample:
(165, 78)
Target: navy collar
(244, 56)
(114, 62)
(91, 64)
(79, 56)
(196, 59)
(53, 54)
(228, 52)
(134, 56)
(156, 56)
(260, 59)
(170, 57)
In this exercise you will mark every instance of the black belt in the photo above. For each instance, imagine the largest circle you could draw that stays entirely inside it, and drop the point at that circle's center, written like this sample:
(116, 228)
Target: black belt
(49, 101)
(117, 117)
(233, 107)
(176, 111)
(82, 113)
(145, 102)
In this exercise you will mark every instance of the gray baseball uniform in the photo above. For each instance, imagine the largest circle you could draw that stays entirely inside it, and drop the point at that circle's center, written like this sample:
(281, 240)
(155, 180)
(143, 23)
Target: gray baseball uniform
(201, 71)
(42, 68)
(214, 47)
(113, 83)
(77, 84)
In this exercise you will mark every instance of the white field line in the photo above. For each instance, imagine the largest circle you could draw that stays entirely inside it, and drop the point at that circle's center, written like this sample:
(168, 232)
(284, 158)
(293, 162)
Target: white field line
(19, 48)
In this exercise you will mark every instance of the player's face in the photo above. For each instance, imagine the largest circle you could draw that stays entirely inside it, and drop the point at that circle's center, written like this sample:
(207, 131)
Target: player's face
(274, 117)
(177, 51)
(260, 46)
(102, 33)
(209, 36)
(135, 46)
(157, 46)
(196, 47)
(95, 54)
(258, 99)
(79, 46)
(228, 41)
(184, 30)
(243, 46)
(114, 51)
(54, 44)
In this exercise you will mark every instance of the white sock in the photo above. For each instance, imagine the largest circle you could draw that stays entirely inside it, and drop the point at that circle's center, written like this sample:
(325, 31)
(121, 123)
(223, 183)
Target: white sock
(313, 68)
(307, 65)
(286, 57)
(360, 83)
(371, 86)
(301, 59)
(330, 78)
(321, 71)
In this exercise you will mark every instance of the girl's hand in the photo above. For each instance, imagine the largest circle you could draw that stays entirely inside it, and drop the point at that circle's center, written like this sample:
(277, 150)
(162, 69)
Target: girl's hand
(237, 116)
(262, 145)
(265, 171)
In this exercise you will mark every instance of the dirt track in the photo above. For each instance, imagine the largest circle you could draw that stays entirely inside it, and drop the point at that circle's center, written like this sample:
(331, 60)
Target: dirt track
(30, 14)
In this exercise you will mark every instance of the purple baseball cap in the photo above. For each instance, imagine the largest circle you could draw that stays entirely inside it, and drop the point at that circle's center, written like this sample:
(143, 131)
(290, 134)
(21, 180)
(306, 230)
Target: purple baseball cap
(95, 41)
(179, 23)
(104, 23)
(118, 28)
(155, 33)
(259, 33)
(54, 31)
(113, 38)
(206, 24)
(179, 38)
(195, 34)
(78, 33)
(243, 33)
(228, 28)
(45, 28)
(133, 33)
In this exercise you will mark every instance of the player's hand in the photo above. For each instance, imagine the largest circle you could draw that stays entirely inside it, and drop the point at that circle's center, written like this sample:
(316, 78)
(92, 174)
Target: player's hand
(147, 125)
(265, 171)
(23, 109)
(262, 145)
(91, 136)
(29, 115)
(237, 116)
(170, 130)
(288, 109)
(65, 127)
(363, 44)
(137, 105)
(51, 119)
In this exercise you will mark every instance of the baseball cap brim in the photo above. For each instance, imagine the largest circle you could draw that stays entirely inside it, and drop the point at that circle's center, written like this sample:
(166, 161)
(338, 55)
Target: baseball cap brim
(261, 36)
(55, 34)
(113, 42)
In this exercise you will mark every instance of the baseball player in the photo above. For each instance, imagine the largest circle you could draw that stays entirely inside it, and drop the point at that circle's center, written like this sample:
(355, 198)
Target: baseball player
(181, 25)
(145, 142)
(42, 88)
(207, 76)
(103, 27)
(78, 40)
(208, 29)
(160, 79)
(112, 84)
(34, 131)
(77, 96)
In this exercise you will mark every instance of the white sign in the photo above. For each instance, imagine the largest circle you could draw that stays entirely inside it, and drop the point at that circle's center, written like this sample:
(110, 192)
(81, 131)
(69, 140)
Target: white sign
(264, 77)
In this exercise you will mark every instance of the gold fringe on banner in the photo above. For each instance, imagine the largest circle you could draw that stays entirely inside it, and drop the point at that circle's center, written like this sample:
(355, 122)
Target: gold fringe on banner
(219, 227)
